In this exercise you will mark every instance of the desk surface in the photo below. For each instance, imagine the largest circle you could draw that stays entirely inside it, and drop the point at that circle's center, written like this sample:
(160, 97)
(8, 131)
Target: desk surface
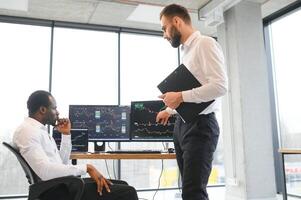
(122, 156)
(290, 151)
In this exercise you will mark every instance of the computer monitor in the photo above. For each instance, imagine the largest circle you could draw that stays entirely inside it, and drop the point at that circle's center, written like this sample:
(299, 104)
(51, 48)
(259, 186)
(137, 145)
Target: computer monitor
(104, 122)
(143, 126)
(79, 139)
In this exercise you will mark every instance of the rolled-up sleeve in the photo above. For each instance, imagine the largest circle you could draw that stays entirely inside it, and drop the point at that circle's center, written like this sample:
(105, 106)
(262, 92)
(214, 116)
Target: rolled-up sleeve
(65, 148)
(212, 64)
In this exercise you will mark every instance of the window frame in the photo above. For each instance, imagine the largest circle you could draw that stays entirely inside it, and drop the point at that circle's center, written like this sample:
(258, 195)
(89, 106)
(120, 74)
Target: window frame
(276, 136)
(53, 24)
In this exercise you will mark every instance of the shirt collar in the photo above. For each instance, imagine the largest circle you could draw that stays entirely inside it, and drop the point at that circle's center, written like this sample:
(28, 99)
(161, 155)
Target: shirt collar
(190, 39)
(35, 123)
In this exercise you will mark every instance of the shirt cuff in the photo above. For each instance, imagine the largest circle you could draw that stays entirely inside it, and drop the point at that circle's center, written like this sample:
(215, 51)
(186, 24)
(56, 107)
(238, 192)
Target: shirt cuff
(170, 111)
(186, 95)
(66, 139)
(82, 169)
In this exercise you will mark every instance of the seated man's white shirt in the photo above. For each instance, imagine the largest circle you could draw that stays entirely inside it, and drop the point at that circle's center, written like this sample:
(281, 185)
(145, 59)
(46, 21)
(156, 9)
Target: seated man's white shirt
(40, 151)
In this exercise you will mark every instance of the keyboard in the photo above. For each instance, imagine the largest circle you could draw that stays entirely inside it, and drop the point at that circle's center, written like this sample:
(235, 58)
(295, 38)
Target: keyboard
(134, 151)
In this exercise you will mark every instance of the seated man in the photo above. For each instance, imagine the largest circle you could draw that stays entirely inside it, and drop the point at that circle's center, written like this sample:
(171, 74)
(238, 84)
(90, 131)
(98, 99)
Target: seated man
(40, 151)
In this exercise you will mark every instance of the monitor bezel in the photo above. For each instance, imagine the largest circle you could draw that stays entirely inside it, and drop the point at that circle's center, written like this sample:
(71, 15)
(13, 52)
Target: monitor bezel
(127, 139)
(145, 139)
(72, 130)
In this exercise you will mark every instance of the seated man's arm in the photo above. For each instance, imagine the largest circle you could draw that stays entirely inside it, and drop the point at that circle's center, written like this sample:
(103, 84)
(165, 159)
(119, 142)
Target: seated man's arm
(65, 148)
(64, 127)
(32, 151)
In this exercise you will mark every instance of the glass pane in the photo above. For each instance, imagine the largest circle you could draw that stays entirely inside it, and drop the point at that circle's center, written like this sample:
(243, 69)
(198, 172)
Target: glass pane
(145, 62)
(286, 63)
(24, 62)
(293, 175)
(85, 68)
(85, 72)
(217, 176)
(286, 47)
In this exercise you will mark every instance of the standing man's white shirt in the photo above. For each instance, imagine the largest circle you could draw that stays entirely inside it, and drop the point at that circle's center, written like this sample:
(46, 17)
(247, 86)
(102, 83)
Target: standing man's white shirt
(40, 151)
(204, 58)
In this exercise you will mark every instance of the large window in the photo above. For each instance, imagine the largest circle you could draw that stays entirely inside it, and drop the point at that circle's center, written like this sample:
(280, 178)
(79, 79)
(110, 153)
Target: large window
(85, 72)
(24, 62)
(85, 68)
(286, 46)
(145, 62)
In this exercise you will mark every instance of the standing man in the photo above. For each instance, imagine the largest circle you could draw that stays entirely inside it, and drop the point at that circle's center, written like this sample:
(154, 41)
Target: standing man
(40, 151)
(195, 142)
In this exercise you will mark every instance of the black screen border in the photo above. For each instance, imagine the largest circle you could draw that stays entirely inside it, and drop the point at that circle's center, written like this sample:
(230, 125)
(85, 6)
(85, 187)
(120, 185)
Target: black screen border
(127, 139)
(145, 139)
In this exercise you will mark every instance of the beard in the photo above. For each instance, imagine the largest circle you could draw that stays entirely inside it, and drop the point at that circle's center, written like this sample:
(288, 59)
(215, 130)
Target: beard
(175, 39)
(50, 119)
(51, 122)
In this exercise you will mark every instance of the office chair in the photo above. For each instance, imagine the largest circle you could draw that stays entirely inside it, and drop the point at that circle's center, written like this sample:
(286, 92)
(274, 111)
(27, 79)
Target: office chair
(37, 187)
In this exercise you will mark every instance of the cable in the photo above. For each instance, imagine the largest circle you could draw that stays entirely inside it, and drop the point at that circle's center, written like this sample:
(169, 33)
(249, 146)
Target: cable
(109, 146)
(164, 147)
(107, 169)
(159, 179)
(114, 171)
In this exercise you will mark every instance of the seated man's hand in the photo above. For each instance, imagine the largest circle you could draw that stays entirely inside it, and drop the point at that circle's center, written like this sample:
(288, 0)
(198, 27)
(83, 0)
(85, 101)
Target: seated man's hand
(100, 180)
(63, 126)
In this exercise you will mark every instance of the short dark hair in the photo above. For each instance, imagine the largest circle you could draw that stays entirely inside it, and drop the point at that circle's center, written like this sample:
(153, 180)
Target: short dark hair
(36, 100)
(173, 10)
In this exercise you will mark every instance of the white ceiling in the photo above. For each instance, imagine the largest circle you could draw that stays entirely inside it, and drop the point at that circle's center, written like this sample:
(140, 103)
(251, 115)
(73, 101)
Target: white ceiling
(116, 12)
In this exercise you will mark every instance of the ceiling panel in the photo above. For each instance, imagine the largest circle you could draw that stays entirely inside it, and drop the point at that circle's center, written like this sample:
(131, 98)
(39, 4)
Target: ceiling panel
(191, 5)
(116, 12)
(63, 10)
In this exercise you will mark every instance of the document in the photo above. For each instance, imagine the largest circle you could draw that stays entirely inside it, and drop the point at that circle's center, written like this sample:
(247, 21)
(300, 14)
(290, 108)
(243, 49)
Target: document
(182, 79)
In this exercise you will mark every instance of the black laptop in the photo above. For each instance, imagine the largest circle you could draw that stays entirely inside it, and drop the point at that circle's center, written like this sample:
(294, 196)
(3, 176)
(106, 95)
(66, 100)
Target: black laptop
(182, 79)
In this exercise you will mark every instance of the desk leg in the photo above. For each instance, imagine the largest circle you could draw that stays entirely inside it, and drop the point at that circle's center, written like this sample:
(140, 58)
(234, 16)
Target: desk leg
(74, 161)
(284, 192)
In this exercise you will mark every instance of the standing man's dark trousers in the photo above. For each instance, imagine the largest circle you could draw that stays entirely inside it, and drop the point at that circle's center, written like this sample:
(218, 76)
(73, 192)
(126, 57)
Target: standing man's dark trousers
(195, 144)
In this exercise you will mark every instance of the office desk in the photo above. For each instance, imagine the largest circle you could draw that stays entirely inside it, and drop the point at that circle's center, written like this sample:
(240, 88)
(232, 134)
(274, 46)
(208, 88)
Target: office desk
(284, 152)
(121, 156)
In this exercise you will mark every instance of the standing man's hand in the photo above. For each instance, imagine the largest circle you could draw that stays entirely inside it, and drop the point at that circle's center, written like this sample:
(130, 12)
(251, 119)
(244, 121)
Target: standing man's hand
(100, 180)
(162, 117)
(63, 126)
(172, 99)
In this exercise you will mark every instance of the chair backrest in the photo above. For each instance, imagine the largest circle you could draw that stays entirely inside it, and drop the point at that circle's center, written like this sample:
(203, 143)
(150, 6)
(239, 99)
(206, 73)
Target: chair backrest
(30, 174)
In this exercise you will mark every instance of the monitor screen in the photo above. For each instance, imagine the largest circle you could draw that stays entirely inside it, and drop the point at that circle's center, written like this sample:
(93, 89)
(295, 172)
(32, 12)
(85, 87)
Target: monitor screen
(143, 124)
(104, 122)
(79, 139)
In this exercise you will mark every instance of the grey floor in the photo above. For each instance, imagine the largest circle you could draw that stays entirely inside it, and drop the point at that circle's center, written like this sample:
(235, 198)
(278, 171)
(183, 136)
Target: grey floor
(215, 193)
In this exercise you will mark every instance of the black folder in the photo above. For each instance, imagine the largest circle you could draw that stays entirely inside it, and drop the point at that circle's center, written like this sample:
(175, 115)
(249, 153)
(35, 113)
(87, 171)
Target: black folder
(182, 79)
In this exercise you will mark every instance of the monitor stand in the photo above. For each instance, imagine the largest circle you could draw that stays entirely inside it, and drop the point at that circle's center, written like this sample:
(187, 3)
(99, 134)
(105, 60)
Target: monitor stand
(99, 148)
